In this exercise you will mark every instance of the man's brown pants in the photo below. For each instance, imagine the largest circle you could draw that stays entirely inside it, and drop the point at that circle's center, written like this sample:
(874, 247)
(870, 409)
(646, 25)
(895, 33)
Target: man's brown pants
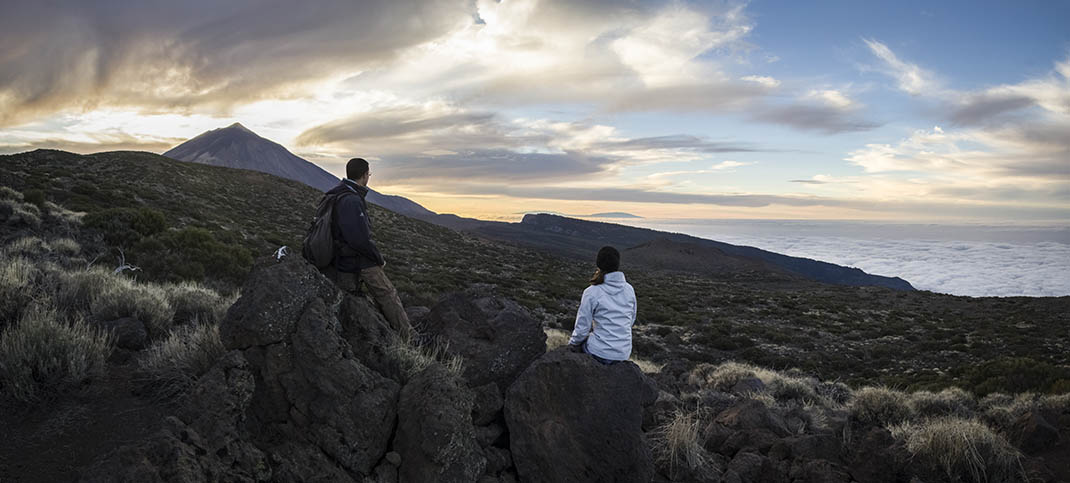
(384, 293)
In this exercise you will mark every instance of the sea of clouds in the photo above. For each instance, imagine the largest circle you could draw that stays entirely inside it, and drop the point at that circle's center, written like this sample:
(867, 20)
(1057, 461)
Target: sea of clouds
(974, 260)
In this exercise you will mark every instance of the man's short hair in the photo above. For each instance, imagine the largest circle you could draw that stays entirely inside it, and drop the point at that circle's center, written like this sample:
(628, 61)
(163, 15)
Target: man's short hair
(608, 259)
(356, 168)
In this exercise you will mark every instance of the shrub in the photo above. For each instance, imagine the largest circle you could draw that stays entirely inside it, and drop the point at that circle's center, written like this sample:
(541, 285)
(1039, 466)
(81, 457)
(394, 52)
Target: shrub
(194, 302)
(65, 247)
(880, 406)
(964, 449)
(126, 226)
(17, 213)
(79, 289)
(6, 193)
(1015, 375)
(35, 197)
(29, 246)
(780, 387)
(678, 445)
(17, 275)
(43, 354)
(171, 366)
(147, 303)
(1001, 410)
(949, 402)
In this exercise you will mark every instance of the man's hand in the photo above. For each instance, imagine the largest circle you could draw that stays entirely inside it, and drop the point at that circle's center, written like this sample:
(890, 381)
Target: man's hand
(577, 348)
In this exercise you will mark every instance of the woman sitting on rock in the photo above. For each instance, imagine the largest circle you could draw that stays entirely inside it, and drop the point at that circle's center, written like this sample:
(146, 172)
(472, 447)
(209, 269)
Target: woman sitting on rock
(607, 312)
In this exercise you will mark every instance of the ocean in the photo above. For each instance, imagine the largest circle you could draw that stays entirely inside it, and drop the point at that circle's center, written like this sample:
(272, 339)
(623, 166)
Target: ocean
(959, 259)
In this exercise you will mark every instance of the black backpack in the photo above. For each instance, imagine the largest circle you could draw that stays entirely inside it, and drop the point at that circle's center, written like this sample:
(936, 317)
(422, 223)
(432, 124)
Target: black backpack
(319, 242)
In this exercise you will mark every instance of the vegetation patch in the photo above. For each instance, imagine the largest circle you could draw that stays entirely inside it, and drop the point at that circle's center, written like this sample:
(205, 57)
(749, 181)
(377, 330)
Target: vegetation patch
(963, 449)
(43, 355)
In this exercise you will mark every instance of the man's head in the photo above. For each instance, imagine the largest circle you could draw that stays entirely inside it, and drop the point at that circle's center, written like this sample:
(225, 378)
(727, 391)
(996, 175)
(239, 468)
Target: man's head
(608, 260)
(357, 170)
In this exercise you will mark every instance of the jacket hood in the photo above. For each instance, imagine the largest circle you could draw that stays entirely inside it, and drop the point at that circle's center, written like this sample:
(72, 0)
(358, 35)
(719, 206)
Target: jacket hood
(347, 185)
(614, 282)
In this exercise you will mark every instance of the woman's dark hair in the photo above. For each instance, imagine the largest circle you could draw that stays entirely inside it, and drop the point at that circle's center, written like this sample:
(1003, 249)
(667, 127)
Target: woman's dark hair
(608, 261)
(356, 168)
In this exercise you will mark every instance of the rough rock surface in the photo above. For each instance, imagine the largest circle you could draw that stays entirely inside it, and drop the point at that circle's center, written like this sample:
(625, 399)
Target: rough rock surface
(496, 337)
(435, 436)
(571, 418)
(290, 402)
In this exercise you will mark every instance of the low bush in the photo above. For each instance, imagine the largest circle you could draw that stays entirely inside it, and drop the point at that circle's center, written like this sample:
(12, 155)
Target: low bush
(77, 290)
(964, 449)
(193, 302)
(17, 276)
(648, 367)
(171, 366)
(17, 214)
(147, 303)
(43, 355)
(948, 402)
(879, 406)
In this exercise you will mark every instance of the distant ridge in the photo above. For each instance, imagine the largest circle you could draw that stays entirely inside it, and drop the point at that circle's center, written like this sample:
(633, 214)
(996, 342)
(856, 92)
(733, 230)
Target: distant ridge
(236, 146)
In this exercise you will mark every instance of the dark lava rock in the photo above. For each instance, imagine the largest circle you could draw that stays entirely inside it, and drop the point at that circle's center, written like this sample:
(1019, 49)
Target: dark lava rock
(496, 337)
(435, 436)
(487, 405)
(876, 457)
(369, 335)
(571, 418)
(751, 414)
(1032, 433)
(128, 333)
(748, 466)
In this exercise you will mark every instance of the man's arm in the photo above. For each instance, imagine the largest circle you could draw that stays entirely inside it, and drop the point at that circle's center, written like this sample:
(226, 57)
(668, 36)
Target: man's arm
(583, 318)
(353, 227)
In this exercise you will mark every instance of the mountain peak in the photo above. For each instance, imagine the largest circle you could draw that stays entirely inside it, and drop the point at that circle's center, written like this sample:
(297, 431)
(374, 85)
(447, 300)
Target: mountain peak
(239, 127)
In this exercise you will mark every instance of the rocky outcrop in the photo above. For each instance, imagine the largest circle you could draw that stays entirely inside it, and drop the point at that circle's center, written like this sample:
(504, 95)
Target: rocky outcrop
(571, 418)
(495, 336)
(435, 437)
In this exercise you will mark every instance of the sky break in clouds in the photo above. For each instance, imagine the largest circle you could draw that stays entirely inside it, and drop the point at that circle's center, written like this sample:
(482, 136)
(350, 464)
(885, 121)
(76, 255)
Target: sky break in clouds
(485, 108)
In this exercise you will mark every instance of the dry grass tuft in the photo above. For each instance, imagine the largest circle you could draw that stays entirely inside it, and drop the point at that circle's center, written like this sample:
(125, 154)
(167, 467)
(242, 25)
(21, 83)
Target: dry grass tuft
(677, 444)
(964, 449)
(948, 402)
(172, 365)
(648, 367)
(880, 406)
(779, 386)
(147, 303)
(17, 275)
(556, 338)
(78, 289)
(414, 358)
(193, 302)
(44, 354)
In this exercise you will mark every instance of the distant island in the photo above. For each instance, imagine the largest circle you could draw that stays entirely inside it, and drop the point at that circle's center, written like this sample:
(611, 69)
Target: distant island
(611, 214)
(614, 214)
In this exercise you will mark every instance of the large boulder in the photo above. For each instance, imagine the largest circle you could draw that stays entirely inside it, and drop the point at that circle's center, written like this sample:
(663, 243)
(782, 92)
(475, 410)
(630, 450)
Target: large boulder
(435, 436)
(495, 336)
(290, 401)
(571, 418)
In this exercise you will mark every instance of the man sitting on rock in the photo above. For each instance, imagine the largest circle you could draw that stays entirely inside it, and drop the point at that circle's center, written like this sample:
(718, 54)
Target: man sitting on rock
(356, 258)
(607, 312)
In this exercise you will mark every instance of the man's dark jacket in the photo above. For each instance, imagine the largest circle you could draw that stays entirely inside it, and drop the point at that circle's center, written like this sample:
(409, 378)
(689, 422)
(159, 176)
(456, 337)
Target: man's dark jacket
(352, 229)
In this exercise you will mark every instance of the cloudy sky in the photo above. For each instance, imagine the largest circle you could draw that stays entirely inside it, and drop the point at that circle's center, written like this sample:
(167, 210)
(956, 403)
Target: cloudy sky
(911, 111)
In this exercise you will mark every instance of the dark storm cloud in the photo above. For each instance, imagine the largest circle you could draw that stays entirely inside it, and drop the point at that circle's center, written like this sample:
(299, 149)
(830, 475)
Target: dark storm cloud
(394, 122)
(167, 54)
